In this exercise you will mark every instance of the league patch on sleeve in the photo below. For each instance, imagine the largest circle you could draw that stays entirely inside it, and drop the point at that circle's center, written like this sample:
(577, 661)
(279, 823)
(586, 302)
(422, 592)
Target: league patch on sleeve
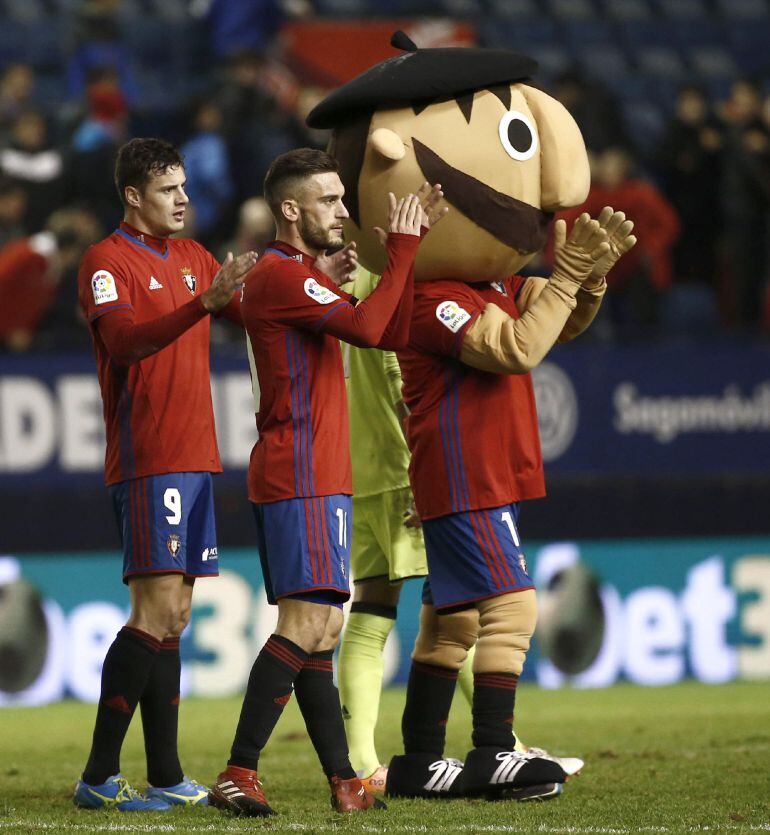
(319, 293)
(452, 316)
(103, 286)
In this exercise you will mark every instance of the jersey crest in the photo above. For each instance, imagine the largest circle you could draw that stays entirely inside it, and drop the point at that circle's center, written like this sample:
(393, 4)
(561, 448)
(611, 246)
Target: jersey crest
(189, 279)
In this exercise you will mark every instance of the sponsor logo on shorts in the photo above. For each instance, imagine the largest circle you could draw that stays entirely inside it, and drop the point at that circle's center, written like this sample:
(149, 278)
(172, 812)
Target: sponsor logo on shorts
(451, 315)
(281, 700)
(174, 544)
(319, 293)
(209, 554)
(103, 287)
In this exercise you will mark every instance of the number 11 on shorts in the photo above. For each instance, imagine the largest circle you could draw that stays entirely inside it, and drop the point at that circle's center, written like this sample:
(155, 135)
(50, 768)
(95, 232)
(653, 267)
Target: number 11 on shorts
(342, 527)
(508, 519)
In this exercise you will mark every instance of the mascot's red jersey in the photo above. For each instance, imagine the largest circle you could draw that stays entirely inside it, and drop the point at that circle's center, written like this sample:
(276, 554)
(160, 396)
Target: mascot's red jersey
(158, 412)
(473, 435)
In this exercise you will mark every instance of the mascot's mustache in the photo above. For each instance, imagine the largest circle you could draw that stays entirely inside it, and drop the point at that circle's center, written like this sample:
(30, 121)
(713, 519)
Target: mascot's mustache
(514, 223)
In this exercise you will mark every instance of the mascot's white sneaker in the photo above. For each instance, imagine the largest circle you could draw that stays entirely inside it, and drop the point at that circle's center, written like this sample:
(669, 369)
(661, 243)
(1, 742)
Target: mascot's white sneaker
(571, 765)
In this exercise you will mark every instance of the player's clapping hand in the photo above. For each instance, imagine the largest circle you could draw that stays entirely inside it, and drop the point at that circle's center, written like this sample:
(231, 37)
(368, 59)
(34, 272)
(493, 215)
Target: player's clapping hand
(405, 216)
(576, 255)
(429, 197)
(341, 265)
(228, 279)
(619, 238)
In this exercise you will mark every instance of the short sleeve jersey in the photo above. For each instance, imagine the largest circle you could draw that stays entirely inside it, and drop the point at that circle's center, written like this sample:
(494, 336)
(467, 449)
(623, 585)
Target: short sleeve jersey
(473, 435)
(303, 447)
(158, 412)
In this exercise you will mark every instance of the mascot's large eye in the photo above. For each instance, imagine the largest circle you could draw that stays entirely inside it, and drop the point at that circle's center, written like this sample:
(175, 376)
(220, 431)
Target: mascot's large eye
(518, 135)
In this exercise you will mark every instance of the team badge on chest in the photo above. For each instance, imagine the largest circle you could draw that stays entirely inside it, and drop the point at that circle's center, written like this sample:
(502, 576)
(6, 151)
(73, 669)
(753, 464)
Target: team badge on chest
(189, 279)
(174, 544)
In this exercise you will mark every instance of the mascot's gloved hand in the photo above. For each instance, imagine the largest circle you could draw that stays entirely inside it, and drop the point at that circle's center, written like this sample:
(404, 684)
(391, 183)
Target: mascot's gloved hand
(619, 238)
(576, 256)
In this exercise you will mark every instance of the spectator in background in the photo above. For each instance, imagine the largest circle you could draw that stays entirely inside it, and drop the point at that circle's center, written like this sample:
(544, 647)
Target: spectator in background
(235, 25)
(13, 206)
(99, 47)
(689, 159)
(257, 99)
(255, 230)
(207, 165)
(16, 87)
(594, 108)
(31, 159)
(745, 194)
(94, 148)
(639, 280)
(32, 268)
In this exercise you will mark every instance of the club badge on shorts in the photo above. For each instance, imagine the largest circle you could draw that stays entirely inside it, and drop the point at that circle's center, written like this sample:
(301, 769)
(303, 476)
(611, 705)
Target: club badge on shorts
(173, 543)
(189, 279)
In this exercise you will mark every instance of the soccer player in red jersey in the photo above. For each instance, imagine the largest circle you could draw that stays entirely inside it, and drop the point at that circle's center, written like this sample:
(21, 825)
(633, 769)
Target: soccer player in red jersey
(473, 435)
(148, 299)
(299, 475)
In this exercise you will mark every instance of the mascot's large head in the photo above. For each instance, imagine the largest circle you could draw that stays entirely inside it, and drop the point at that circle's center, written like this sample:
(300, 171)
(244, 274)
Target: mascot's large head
(506, 155)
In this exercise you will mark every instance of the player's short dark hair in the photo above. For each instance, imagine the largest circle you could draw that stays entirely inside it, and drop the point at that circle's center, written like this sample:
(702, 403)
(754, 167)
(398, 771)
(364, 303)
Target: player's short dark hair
(290, 169)
(141, 159)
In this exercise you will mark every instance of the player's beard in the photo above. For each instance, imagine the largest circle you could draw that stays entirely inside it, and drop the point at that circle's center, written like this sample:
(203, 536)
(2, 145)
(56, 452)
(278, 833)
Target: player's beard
(315, 235)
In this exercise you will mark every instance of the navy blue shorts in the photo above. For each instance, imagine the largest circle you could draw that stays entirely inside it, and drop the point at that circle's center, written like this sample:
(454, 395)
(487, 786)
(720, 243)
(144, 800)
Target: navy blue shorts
(304, 548)
(167, 525)
(474, 556)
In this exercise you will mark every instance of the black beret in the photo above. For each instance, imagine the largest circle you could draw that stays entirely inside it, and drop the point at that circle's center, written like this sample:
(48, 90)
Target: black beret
(420, 74)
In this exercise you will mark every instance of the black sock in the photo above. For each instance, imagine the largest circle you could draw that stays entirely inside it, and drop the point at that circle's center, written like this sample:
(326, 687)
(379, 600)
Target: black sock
(269, 689)
(428, 700)
(160, 717)
(319, 702)
(127, 667)
(493, 698)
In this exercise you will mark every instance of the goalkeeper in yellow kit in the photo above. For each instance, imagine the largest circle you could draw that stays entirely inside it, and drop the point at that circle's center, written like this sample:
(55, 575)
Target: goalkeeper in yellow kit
(386, 547)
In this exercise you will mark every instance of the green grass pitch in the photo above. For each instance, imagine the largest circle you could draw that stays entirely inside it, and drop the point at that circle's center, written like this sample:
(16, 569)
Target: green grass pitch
(688, 758)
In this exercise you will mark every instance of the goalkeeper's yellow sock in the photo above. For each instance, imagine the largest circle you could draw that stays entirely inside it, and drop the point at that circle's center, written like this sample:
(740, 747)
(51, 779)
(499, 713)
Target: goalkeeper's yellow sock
(360, 674)
(465, 681)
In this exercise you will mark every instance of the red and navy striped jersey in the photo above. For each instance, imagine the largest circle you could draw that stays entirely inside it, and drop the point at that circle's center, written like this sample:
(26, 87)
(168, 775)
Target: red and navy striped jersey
(473, 435)
(303, 417)
(294, 315)
(158, 412)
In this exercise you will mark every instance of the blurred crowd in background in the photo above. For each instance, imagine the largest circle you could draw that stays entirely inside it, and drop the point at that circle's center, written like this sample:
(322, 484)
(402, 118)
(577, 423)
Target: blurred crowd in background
(213, 77)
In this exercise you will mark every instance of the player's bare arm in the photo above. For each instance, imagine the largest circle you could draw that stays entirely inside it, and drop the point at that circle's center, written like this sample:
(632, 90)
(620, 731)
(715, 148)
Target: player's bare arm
(498, 343)
(229, 278)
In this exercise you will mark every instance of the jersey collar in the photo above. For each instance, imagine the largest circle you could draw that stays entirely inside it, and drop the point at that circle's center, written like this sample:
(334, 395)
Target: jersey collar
(291, 252)
(159, 246)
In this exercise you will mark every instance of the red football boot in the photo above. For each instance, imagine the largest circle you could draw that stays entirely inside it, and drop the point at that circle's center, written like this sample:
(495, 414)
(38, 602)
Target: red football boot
(351, 796)
(238, 790)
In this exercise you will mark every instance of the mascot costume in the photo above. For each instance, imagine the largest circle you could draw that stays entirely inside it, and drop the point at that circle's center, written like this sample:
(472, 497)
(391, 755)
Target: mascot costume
(507, 157)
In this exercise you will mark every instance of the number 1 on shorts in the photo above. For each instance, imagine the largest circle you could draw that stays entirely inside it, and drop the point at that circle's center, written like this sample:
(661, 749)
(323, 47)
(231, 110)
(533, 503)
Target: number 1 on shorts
(508, 519)
(342, 527)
